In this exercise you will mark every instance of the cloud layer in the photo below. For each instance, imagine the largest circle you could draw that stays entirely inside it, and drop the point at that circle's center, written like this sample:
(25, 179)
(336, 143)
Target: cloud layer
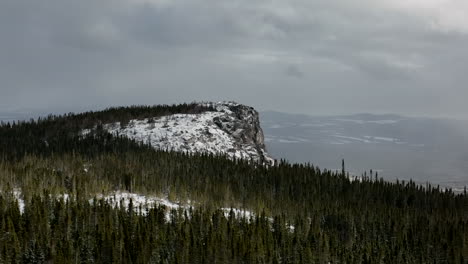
(316, 57)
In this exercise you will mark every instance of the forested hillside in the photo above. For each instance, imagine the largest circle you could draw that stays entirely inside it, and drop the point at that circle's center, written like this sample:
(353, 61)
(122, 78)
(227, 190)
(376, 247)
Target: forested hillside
(300, 213)
(63, 133)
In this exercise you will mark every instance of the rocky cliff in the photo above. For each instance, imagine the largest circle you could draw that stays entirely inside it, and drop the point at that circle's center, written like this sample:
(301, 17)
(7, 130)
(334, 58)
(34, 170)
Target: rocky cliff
(231, 129)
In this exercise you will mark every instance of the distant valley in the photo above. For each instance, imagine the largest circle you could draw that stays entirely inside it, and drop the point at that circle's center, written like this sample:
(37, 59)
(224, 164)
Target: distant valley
(397, 147)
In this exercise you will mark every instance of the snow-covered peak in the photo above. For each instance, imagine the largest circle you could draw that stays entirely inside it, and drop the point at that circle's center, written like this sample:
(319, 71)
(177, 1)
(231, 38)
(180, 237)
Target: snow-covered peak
(232, 130)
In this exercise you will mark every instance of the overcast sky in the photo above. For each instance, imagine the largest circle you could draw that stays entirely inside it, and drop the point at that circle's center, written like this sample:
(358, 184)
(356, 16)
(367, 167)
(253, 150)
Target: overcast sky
(316, 57)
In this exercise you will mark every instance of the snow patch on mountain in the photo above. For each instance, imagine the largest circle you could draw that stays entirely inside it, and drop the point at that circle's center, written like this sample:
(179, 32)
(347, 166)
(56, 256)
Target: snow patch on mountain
(232, 130)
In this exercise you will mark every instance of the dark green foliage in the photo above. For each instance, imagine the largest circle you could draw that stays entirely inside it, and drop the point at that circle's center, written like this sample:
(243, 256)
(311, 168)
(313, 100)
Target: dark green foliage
(303, 214)
(83, 232)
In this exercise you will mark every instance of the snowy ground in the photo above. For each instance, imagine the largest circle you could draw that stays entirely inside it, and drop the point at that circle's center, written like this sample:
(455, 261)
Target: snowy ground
(18, 197)
(142, 203)
(181, 132)
(190, 133)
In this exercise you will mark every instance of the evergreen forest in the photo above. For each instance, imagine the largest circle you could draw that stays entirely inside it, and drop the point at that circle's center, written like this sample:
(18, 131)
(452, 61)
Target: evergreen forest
(300, 212)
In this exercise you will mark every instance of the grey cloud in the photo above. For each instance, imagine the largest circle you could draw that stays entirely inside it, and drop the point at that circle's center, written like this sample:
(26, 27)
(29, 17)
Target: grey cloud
(79, 54)
(294, 71)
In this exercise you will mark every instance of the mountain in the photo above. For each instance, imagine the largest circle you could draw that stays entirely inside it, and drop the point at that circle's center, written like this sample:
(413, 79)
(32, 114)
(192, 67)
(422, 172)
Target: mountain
(229, 129)
(96, 187)
(397, 147)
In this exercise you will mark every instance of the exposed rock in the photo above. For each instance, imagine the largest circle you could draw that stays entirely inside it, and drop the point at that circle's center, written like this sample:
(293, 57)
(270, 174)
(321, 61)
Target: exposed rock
(242, 123)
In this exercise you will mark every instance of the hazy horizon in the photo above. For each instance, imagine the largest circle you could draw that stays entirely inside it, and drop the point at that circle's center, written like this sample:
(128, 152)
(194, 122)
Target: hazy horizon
(28, 112)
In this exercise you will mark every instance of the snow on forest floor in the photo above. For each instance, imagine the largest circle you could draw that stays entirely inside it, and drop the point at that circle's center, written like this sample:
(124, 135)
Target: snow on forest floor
(142, 203)
(17, 196)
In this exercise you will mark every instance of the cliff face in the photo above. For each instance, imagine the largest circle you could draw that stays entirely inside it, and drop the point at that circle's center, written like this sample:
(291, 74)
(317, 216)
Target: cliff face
(242, 123)
(232, 130)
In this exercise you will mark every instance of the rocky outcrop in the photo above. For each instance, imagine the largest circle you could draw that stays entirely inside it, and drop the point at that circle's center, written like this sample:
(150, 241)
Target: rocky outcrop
(231, 129)
(242, 123)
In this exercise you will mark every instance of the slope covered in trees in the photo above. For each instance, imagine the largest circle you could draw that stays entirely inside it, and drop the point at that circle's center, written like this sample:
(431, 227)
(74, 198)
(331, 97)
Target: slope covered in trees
(63, 133)
(302, 214)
